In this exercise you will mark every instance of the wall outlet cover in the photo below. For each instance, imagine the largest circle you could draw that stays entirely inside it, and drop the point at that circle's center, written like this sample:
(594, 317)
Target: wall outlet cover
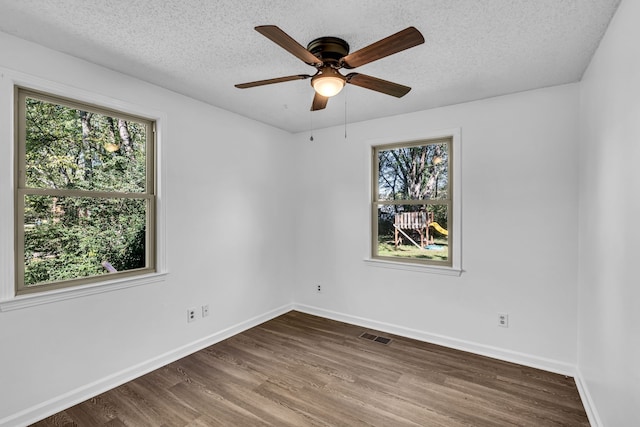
(503, 320)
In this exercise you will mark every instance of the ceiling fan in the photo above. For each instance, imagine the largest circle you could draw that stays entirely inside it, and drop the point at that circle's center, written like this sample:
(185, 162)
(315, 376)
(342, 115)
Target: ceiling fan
(330, 54)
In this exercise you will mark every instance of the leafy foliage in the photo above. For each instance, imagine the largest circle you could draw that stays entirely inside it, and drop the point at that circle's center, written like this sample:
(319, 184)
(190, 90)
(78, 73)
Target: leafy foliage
(413, 173)
(69, 236)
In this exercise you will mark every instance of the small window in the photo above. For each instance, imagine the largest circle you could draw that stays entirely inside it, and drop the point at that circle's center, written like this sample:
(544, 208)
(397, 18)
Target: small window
(85, 193)
(412, 202)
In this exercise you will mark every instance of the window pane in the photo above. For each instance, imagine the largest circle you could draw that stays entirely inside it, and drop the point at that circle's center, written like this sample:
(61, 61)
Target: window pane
(68, 148)
(71, 237)
(413, 232)
(414, 173)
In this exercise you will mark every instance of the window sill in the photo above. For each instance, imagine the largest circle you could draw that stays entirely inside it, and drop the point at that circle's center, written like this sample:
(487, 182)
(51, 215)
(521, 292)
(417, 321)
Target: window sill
(30, 300)
(432, 269)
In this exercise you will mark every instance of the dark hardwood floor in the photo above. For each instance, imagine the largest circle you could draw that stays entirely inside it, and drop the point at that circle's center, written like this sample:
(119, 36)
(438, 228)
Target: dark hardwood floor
(302, 370)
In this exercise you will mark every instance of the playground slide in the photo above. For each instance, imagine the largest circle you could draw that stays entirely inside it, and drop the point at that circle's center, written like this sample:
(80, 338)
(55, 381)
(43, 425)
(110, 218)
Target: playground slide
(438, 228)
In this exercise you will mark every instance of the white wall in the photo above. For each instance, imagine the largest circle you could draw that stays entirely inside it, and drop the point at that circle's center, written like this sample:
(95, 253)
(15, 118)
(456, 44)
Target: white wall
(225, 186)
(519, 230)
(609, 295)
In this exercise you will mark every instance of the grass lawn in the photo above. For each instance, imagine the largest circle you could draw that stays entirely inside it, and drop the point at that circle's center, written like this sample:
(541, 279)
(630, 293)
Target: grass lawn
(387, 248)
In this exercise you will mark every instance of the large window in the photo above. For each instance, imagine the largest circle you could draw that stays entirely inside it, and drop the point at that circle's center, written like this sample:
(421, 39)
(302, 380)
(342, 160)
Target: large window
(85, 193)
(412, 202)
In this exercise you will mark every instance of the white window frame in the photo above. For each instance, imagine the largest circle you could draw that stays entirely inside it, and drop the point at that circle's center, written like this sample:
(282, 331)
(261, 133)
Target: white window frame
(455, 242)
(9, 79)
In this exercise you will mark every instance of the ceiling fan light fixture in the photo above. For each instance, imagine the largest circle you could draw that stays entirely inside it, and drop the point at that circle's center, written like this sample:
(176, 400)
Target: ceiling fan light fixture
(328, 83)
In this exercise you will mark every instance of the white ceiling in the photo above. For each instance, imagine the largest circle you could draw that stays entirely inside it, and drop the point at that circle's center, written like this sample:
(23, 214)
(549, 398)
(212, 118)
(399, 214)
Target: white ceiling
(474, 49)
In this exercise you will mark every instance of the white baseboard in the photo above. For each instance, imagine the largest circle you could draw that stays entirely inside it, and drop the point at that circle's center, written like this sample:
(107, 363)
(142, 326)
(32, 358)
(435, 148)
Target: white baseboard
(469, 346)
(587, 400)
(73, 397)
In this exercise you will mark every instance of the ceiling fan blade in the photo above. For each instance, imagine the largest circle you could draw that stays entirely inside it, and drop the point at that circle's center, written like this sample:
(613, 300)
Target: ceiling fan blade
(285, 41)
(405, 39)
(379, 85)
(319, 102)
(271, 81)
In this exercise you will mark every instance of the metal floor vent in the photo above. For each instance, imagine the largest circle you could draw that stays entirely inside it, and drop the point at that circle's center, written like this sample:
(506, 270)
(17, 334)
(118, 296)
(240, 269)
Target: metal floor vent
(371, 337)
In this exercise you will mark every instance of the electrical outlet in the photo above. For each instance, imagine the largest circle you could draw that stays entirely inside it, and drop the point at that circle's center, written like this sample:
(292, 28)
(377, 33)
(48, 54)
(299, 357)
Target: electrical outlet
(503, 320)
(318, 288)
(205, 310)
(191, 315)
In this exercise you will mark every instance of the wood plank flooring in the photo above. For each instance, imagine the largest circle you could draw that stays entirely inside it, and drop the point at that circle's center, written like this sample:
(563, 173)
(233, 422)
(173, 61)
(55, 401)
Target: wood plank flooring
(302, 370)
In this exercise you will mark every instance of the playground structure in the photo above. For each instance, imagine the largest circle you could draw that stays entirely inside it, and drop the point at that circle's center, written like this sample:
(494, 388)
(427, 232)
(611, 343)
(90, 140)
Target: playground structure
(421, 222)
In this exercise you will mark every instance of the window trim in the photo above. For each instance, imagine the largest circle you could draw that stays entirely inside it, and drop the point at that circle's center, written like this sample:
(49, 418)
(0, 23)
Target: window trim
(63, 294)
(22, 190)
(9, 79)
(455, 267)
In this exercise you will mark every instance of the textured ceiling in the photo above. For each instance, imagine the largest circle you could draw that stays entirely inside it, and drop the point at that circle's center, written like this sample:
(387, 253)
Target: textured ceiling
(474, 49)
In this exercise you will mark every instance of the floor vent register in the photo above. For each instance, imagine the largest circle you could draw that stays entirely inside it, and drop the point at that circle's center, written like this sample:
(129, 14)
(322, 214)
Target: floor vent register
(376, 338)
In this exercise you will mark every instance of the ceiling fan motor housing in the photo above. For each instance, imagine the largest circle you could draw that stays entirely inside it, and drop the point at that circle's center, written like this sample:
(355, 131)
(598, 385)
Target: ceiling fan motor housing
(329, 49)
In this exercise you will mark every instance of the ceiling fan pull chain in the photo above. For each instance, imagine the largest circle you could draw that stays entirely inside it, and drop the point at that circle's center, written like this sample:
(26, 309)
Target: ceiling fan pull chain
(311, 132)
(345, 113)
